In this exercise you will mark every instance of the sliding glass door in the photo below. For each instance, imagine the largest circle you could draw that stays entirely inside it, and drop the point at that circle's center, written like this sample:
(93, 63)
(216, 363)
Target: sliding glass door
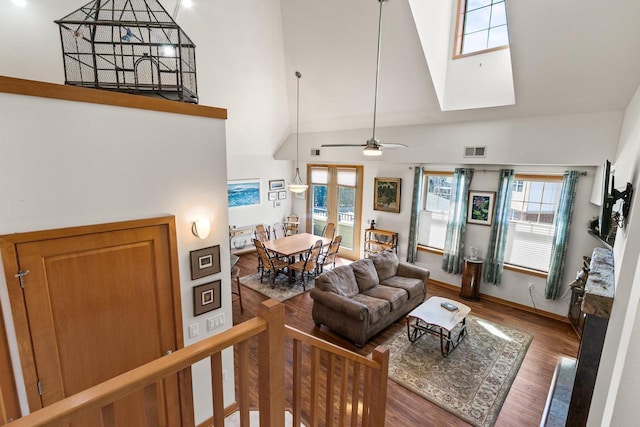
(335, 195)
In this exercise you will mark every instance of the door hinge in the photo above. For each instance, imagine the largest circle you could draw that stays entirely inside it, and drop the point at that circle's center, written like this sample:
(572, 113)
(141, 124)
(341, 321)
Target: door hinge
(21, 274)
(39, 384)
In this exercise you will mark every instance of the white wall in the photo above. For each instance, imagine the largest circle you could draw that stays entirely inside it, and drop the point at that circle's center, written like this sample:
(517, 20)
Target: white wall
(580, 139)
(251, 85)
(618, 382)
(67, 164)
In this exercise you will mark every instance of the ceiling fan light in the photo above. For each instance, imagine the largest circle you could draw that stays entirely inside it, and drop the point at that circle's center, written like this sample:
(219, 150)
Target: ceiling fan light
(372, 151)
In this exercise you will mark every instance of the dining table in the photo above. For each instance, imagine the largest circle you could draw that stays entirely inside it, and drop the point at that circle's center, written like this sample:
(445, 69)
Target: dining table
(290, 246)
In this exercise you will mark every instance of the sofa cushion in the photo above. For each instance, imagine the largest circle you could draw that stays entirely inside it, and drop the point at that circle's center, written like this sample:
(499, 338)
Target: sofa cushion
(378, 308)
(397, 297)
(386, 264)
(366, 275)
(339, 280)
(413, 286)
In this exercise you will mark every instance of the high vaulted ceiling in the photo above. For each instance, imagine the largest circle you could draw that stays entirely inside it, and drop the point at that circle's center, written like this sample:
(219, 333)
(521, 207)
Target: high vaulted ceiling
(570, 56)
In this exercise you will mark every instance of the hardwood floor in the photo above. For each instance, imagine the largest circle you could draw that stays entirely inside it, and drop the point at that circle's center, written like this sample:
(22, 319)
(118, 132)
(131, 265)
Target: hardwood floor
(524, 404)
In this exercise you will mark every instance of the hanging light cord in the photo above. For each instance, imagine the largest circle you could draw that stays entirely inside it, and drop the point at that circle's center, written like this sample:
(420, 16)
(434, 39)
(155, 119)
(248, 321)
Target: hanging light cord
(298, 75)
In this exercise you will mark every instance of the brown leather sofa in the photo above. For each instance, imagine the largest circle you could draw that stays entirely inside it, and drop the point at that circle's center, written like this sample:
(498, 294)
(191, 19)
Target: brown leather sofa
(359, 300)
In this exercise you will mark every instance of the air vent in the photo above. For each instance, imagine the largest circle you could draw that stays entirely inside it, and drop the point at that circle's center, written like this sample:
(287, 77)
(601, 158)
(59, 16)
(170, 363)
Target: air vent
(475, 151)
(315, 152)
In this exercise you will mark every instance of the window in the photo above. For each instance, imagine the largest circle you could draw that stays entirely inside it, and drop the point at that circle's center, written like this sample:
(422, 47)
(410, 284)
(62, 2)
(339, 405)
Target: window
(481, 25)
(534, 203)
(435, 210)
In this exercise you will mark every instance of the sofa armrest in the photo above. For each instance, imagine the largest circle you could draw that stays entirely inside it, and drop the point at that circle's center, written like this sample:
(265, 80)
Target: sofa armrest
(413, 271)
(339, 303)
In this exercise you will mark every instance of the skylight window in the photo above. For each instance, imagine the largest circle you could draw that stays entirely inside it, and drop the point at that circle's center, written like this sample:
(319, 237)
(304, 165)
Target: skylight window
(481, 26)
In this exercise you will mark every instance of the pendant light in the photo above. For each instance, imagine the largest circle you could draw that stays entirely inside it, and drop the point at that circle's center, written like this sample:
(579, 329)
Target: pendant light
(297, 186)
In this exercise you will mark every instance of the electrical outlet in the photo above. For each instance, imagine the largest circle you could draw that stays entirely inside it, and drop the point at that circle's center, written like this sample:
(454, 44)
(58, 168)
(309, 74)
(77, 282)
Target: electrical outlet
(193, 330)
(530, 285)
(215, 322)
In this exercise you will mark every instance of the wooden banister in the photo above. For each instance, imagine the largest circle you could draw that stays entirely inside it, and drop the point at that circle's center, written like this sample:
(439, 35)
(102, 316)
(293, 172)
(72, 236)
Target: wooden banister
(103, 395)
(329, 377)
(332, 369)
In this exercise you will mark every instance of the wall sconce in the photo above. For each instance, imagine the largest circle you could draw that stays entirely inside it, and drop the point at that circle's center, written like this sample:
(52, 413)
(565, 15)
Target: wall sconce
(201, 228)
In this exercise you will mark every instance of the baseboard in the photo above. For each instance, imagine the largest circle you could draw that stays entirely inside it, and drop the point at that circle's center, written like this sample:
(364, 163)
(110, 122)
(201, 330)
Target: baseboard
(504, 302)
(227, 411)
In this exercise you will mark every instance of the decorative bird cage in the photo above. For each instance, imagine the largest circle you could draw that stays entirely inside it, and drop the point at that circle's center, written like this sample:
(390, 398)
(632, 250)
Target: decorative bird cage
(131, 46)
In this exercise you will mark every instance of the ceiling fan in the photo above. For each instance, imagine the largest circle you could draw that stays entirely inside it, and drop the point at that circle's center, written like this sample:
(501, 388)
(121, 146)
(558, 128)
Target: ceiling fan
(373, 146)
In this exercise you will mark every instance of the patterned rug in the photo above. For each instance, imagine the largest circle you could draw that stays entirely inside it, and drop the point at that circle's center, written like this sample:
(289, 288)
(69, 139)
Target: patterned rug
(473, 381)
(282, 291)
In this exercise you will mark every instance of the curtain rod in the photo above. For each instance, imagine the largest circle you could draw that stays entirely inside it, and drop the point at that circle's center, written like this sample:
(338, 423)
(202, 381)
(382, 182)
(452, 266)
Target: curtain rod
(582, 173)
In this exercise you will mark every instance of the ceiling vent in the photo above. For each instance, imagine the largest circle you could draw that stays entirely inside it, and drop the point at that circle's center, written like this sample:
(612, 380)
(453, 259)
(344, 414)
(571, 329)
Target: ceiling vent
(315, 152)
(475, 151)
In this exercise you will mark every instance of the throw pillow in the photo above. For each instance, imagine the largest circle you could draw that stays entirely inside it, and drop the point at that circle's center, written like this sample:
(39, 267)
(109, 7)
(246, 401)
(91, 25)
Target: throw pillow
(340, 280)
(386, 264)
(366, 275)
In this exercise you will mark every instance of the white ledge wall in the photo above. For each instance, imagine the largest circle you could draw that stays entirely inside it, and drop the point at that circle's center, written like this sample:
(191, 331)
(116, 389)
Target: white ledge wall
(68, 163)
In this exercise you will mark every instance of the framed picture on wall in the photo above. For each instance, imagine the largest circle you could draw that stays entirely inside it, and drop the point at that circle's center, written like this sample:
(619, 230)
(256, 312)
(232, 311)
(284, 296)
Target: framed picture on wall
(276, 184)
(480, 209)
(273, 195)
(282, 195)
(386, 195)
(205, 261)
(206, 297)
(243, 192)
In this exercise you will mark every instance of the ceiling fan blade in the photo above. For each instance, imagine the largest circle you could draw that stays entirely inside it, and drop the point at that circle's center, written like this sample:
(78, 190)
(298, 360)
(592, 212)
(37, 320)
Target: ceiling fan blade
(393, 145)
(343, 145)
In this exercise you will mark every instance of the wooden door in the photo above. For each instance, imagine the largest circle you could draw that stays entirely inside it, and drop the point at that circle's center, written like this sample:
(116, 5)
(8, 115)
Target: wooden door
(98, 305)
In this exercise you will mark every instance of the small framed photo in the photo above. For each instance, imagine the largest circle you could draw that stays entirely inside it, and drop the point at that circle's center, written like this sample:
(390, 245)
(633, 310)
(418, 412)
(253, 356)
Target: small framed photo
(205, 261)
(480, 209)
(300, 196)
(277, 203)
(282, 195)
(207, 297)
(386, 195)
(276, 184)
(273, 195)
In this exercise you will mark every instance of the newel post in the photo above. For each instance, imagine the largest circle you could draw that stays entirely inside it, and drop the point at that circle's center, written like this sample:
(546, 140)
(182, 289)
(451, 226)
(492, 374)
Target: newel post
(271, 364)
(379, 387)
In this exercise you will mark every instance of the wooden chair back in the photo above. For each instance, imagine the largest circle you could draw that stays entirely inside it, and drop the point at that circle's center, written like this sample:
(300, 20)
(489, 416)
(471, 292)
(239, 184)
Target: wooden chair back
(262, 253)
(329, 230)
(329, 257)
(277, 230)
(262, 232)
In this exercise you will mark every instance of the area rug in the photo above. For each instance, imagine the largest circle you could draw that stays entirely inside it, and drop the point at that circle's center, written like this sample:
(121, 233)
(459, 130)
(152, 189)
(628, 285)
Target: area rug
(282, 290)
(473, 381)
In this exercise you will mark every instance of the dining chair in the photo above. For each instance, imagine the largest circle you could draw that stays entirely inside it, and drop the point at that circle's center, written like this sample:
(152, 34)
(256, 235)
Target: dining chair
(328, 257)
(235, 276)
(329, 230)
(271, 265)
(278, 231)
(261, 233)
(307, 265)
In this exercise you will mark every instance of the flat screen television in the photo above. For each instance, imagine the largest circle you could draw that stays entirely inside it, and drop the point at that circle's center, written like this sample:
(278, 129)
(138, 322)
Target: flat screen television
(606, 209)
